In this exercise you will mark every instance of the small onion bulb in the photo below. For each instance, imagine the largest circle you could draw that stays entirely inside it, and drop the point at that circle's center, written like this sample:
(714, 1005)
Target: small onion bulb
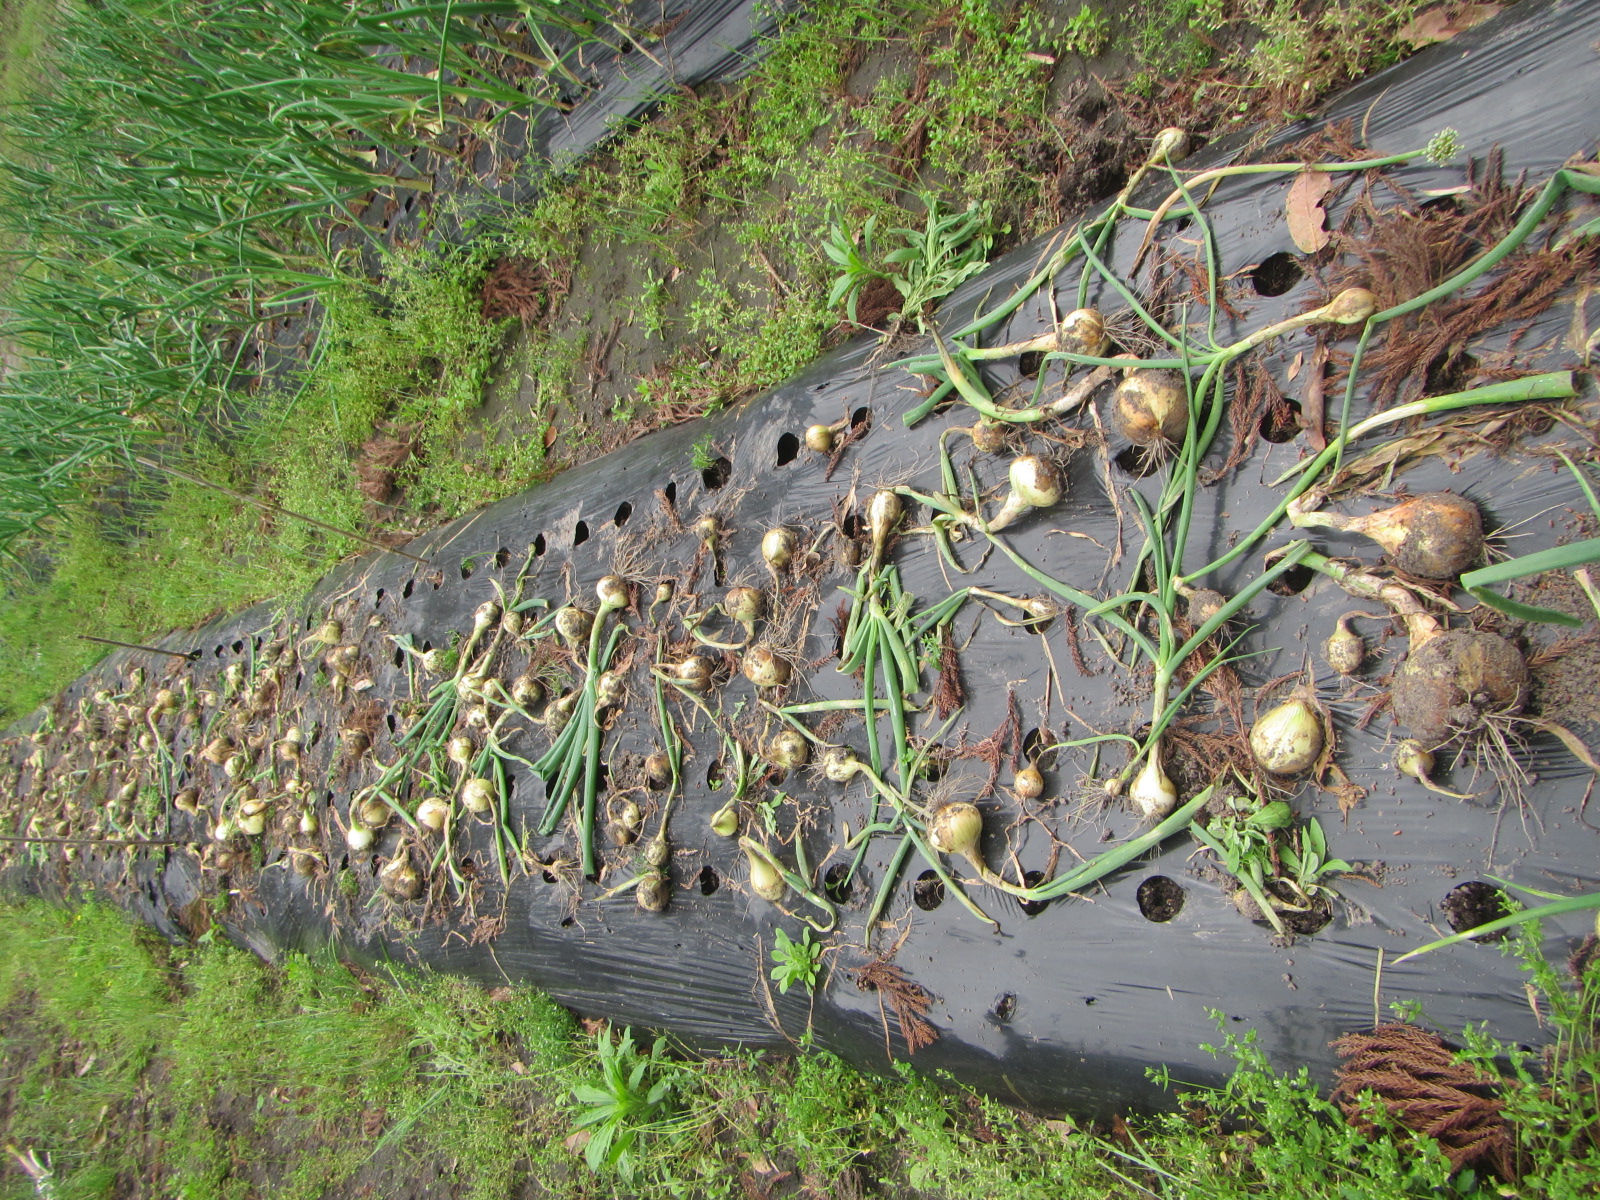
(788, 749)
(819, 439)
(766, 878)
(763, 667)
(477, 795)
(433, 813)
(777, 548)
(1152, 793)
(1035, 483)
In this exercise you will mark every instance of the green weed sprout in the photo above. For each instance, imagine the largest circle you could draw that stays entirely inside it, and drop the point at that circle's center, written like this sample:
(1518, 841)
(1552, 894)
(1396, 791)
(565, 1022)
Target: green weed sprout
(632, 1099)
(796, 962)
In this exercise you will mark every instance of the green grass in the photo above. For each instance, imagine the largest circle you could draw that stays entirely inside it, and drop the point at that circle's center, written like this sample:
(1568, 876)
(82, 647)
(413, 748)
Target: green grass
(211, 1075)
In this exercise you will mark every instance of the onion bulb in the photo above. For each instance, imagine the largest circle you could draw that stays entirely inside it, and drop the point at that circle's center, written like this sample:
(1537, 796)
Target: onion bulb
(788, 750)
(187, 800)
(819, 439)
(658, 772)
(559, 711)
(253, 823)
(693, 673)
(218, 750)
(1345, 649)
(573, 624)
(1151, 407)
(657, 851)
(375, 812)
(358, 837)
(612, 592)
(1456, 680)
(840, 764)
(611, 689)
(625, 819)
(292, 744)
(763, 667)
(777, 548)
(725, 821)
(883, 513)
(989, 437)
(433, 813)
(477, 795)
(652, 893)
(1287, 739)
(766, 877)
(1435, 535)
(1035, 483)
(399, 879)
(955, 829)
(745, 605)
(485, 615)
(1028, 783)
(512, 622)
(1152, 793)
(327, 634)
(223, 830)
(1412, 758)
(526, 691)
(309, 824)
(441, 660)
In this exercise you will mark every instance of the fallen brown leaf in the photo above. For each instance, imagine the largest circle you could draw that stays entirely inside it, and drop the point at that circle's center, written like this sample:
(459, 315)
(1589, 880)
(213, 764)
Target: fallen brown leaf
(1444, 21)
(1305, 212)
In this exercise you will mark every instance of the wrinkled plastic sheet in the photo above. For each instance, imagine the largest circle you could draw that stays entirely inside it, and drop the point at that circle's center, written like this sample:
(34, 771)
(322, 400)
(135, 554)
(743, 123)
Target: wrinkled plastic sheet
(1067, 1008)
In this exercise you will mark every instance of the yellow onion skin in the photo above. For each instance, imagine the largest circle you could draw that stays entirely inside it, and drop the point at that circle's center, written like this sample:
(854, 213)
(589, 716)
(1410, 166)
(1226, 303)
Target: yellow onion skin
(653, 893)
(1028, 784)
(766, 880)
(1436, 535)
(1152, 792)
(956, 828)
(1287, 739)
(1150, 407)
(819, 439)
(1035, 483)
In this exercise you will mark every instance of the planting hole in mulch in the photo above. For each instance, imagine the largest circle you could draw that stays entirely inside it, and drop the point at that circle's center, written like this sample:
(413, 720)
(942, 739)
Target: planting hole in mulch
(1276, 274)
(1475, 903)
(1160, 898)
(928, 891)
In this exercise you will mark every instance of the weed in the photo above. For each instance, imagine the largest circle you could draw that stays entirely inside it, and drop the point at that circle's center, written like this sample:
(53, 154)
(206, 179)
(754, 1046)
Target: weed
(633, 1098)
(796, 962)
(703, 454)
(1087, 32)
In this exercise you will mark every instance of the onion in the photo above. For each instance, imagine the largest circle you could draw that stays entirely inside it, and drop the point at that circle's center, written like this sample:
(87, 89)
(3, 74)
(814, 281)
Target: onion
(1412, 758)
(559, 711)
(1452, 683)
(341, 660)
(766, 878)
(657, 852)
(573, 624)
(777, 548)
(358, 837)
(223, 830)
(1152, 793)
(485, 615)
(625, 818)
(1151, 407)
(1287, 739)
(955, 829)
(725, 821)
(356, 742)
(763, 667)
(441, 660)
(1346, 649)
(709, 529)
(612, 592)
(658, 771)
(399, 879)
(611, 689)
(236, 765)
(512, 622)
(309, 824)
(883, 514)
(1436, 535)
(166, 700)
(989, 437)
(375, 812)
(433, 813)
(1204, 603)
(652, 893)
(664, 593)
(745, 605)
(218, 750)
(1171, 145)
(526, 691)
(253, 824)
(693, 673)
(292, 744)
(1350, 307)
(1083, 331)
(1035, 483)
(819, 439)
(327, 634)
(788, 750)
(840, 764)
(477, 795)
(187, 800)
(1029, 783)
